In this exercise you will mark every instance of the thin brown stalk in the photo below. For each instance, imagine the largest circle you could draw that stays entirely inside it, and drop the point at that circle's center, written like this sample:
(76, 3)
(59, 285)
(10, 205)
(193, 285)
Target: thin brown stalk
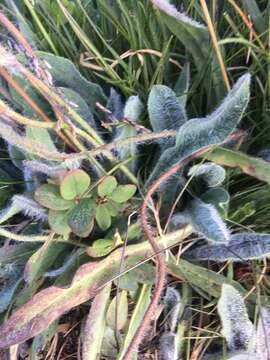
(215, 44)
(16, 33)
(160, 263)
(247, 22)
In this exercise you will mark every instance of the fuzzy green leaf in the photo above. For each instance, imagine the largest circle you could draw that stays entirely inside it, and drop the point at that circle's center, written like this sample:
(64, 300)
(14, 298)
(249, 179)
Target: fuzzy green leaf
(165, 111)
(207, 222)
(133, 108)
(123, 193)
(218, 197)
(236, 326)
(81, 217)
(212, 175)
(74, 184)
(107, 186)
(103, 217)
(241, 247)
(48, 195)
(197, 134)
(41, 136)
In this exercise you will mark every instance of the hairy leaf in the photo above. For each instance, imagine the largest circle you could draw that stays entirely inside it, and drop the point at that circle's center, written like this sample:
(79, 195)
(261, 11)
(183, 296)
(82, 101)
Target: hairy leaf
(132, 111)
(241, 247)
(218, 197)
(207, 222)
(168, 346)
(236, 326)
(165, 111)
(216, 127)
(198, 134)
(29, 207)
(41, 136)
(133, 108)
(262, 337)
(172, 307)
(115, 104)
(213, 175)
(195, 37)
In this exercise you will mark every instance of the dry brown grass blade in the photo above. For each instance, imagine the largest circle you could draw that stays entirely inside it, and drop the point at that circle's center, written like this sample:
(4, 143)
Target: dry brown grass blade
(85, 58)
(215, 44)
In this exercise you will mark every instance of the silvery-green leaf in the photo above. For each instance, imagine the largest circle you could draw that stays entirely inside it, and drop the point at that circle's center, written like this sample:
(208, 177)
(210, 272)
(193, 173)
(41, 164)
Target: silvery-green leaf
(12, 278)
(168, 346)
(242, 356)
(236, 326)
(261, 345)
(132, 111)
(197, 134)
(133, 108)
(169, 192)
(29, 207)
(241, 247)
(207, 222)
(115, 104)
(212, 174)
(172, 307)
(216, 127)
(265, 154)
(165, 111)
(219, 197)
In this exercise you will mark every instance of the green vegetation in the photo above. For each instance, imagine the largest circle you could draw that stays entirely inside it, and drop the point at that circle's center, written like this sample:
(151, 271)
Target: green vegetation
(135, 178)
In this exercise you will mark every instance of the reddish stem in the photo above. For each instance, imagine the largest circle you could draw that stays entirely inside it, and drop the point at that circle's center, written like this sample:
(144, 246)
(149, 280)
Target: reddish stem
(160, 263)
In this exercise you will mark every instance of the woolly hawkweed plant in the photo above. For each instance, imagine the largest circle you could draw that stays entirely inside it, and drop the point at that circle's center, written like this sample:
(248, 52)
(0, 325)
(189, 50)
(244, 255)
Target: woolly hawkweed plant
(82, 228)
(244, 340)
